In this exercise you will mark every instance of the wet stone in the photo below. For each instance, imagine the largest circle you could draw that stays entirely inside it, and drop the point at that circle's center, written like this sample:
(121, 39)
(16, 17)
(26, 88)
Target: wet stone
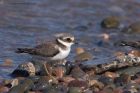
(74, 90)
(123, 79)
(11, 83)
(132, 28)
(96, 85)
(126, 91)
(24, 70)
(111, 75)
(132, 87)
(67, 79)
(4, 89)
(40, 86)
(118, 90)
(59, 71)
(43, 83)
(85, 56)
(34, 78)
(88, 91)
(24, 86)
(94, 82)
(55, 89)
(78, 73)
(108, 90)
(137, 74)
(80, 50)
(105, 80)
(39, 68)
(135, 53)
(69, 66)
(110, 22)
(78, 83)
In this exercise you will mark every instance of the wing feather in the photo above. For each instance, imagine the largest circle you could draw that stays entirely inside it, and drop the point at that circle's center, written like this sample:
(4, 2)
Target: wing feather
(46, 49)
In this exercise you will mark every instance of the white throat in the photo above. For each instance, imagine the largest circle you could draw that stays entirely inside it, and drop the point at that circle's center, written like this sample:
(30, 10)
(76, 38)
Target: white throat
(63, 52)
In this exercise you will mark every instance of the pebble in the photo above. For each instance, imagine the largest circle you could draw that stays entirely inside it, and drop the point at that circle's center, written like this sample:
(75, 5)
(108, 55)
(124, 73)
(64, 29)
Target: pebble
(78, 73)
(110, 22)
(66, 79)
(85, 56)
(80, 50)
(22, 87)
(105, 80)
(96, 85)
(58, 71)
(123, 79)
(25, 70)
(4, 89)
(135, 53)
(111, 75)
(132, 28)
(74, 90)
(78, 83)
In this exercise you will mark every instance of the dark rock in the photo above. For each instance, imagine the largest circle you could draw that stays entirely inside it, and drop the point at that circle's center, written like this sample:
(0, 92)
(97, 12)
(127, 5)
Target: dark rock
(78, 73)
(43, 83)
(78, 83)
(127, 91)
(24, 86)
(95, 85)
(4, 89)
(66, 79)
(109, 88)
(75, 90)
(123, 79)
(105, 80)
(58, 71)
(132, 87)
(133, 28)
(110, 22)
(34, 78)
(88, 91)
(40, 69)
(24, 70)
(69, 66)
(11, 83)
(111, 75)
(85, 56)
(56, 89)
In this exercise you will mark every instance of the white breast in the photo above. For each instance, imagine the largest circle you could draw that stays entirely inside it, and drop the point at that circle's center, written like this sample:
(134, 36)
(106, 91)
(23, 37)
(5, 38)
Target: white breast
(62, 54)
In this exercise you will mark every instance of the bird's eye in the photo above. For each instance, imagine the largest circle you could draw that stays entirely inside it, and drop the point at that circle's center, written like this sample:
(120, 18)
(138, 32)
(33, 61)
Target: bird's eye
(68, 40)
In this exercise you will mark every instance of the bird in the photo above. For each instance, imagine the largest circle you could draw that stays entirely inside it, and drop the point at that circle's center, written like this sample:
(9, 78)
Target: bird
(58, 49)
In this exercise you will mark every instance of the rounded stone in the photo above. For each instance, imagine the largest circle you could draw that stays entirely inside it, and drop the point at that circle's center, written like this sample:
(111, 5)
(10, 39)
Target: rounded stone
(110, 22)
(85, 56)
(74, 90)
(132, 28)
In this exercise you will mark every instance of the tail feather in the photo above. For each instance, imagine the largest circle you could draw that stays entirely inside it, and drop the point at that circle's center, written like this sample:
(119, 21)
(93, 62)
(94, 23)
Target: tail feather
(25, 50)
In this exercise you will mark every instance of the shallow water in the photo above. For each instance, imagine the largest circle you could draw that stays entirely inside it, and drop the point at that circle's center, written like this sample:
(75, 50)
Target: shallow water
(24, 23)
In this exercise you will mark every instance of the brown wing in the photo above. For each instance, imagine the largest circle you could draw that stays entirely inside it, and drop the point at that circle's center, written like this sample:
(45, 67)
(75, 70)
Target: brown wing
(47, 49)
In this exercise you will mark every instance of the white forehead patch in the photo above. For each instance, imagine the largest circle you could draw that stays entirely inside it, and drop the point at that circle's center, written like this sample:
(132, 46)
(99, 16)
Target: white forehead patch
(59, 35)
(65, 35)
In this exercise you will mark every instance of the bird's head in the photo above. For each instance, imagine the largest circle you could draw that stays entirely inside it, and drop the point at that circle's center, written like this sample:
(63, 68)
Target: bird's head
(65, 39)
